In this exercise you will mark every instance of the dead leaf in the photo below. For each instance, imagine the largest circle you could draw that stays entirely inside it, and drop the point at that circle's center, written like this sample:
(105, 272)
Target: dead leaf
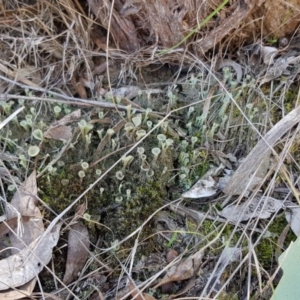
(206, 186)
(24, 203)
(11, 223)
(137, 295)
(29, 72)
(20, 268)
(183, 270)
(268, 54)
(79, 88)
(59, 133)
(128, 92)
(78, 252)
(256, 207)
(102, 68)
(72, 117)
(202, 188)
(20, 292)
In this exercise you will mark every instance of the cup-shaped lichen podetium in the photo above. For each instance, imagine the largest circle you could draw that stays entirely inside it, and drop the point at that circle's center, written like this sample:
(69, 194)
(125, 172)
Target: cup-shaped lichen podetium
(155, 151)
(161, 139)
(127, 160)
(85, 127)
(84, 166)
(119, 175)
(33, 151)
(140, 133)
(38, 134)
(81, 175)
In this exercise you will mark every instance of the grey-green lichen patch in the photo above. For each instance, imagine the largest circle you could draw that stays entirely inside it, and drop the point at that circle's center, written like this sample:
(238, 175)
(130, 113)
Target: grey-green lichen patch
(168, 162)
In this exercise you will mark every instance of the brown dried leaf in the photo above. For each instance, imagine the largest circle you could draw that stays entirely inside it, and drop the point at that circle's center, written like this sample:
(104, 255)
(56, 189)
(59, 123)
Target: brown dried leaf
(29, 72)
(73, 116)
(59, 133)
(100, 69)
(78, 251)
(122, 29)
(11, 223)
(139, 295)
(24, 203)
(20, 268)
(183, 270)
(21, 292)
(79, 88)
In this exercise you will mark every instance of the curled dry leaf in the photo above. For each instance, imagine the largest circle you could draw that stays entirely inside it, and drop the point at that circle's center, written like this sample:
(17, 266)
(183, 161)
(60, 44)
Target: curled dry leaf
(20, 268)
(78, 86)
(202, 188)
(78, 251)
(29, 72)
(268, 54)
(206, 186)
(102, 68)
(257, 207)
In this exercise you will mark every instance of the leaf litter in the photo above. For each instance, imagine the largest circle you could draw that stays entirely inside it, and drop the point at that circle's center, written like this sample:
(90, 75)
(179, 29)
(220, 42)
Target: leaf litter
(255, 207)
(31, 250)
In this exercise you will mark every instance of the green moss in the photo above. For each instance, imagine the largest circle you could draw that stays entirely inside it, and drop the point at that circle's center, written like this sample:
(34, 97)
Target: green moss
(146, 199)
(267, 249)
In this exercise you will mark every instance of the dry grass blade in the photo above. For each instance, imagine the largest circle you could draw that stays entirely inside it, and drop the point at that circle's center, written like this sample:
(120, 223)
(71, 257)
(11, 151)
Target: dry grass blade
(13, 115)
